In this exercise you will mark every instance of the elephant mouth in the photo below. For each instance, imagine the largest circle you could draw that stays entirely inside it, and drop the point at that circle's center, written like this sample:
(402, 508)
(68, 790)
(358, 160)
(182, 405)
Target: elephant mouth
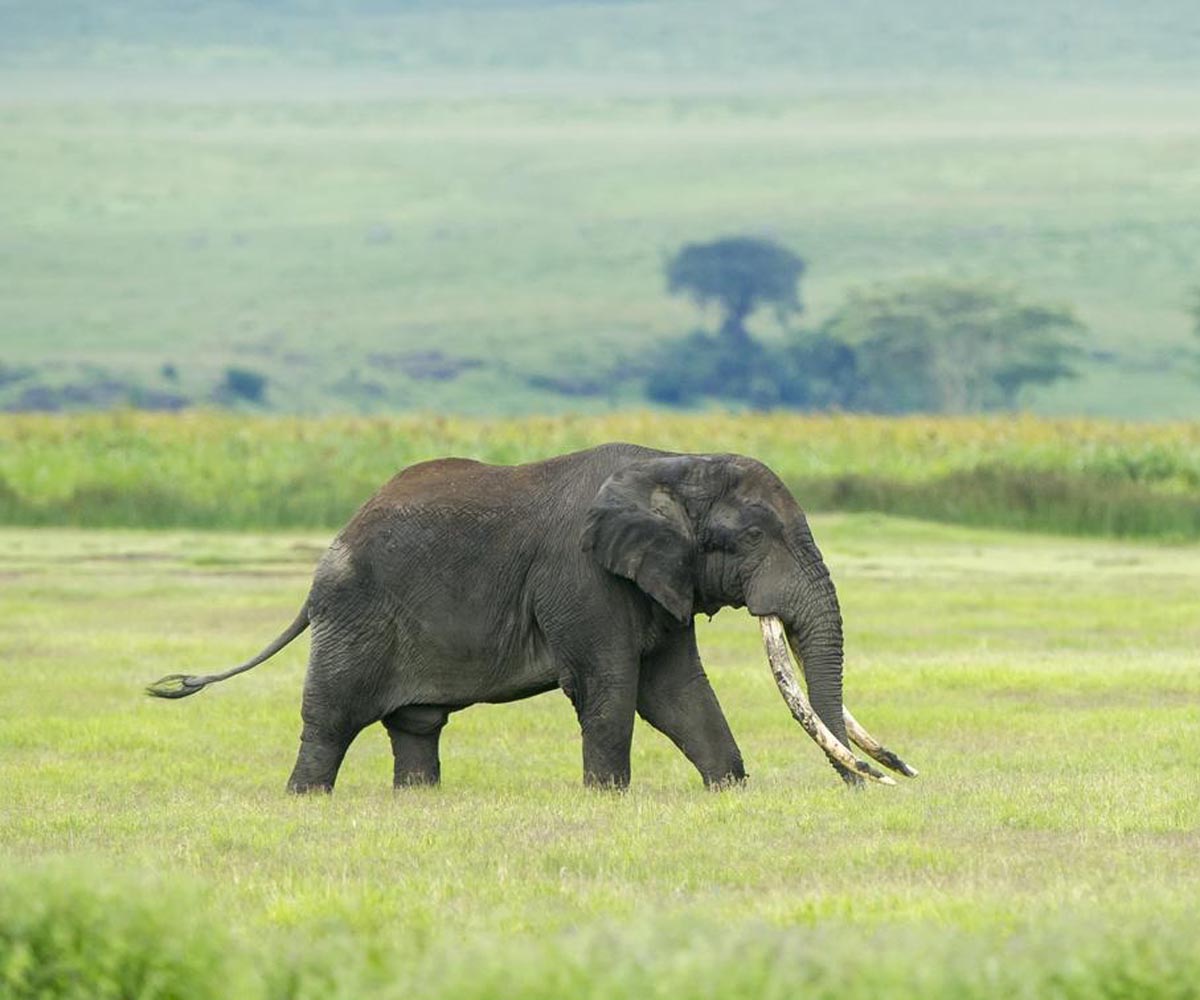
(777, 641)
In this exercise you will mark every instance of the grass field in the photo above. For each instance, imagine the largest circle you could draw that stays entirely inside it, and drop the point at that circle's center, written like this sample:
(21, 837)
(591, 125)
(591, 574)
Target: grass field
(1045, 687)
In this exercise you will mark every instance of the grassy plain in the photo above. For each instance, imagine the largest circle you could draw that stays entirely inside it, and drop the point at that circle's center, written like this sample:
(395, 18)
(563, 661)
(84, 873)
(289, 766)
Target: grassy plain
(334, 242)
(1045, 687)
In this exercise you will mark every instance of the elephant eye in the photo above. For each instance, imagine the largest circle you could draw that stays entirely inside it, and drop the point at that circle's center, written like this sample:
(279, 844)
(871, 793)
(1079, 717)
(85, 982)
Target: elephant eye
(753, 534)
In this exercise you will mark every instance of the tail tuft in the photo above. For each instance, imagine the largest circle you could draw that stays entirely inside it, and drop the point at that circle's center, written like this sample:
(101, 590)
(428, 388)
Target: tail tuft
(176, 686)
(181, 685)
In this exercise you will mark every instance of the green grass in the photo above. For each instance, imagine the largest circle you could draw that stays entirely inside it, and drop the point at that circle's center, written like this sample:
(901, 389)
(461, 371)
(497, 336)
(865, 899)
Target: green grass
(1045, 688)
(225, 471)
(326, 241)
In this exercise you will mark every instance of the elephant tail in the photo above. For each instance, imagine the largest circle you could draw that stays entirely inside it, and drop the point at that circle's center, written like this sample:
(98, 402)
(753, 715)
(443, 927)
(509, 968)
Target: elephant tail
(182, 685)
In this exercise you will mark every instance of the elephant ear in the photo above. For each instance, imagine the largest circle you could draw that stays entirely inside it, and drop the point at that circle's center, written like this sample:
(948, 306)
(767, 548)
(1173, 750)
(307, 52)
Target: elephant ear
(637, 528)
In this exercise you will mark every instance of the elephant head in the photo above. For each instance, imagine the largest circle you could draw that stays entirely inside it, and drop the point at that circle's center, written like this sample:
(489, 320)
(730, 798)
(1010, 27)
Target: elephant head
(698, 533)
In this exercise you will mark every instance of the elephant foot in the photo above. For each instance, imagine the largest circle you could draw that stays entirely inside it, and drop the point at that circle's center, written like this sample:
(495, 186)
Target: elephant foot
(732, 780)
(300, 788)
(606, 782)
(416, 779)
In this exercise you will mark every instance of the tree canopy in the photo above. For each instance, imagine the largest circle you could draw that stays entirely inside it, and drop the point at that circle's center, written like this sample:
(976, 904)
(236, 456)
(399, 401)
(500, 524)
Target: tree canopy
(933, 346)
(740, 274)
(944, 346)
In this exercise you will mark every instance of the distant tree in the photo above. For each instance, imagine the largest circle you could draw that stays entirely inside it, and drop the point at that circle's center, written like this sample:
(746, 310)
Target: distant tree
(809, 371)
(244, 384)
(740, 274)
(702, 365)
(947, 346)
(815, 371)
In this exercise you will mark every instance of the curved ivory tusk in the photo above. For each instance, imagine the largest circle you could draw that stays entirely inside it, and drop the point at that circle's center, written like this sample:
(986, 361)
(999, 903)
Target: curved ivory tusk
(775, 641)
(873, 748)
(861, 738)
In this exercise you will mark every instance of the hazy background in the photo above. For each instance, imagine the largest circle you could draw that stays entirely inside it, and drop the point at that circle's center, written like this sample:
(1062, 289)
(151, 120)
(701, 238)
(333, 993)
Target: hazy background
(381, 206)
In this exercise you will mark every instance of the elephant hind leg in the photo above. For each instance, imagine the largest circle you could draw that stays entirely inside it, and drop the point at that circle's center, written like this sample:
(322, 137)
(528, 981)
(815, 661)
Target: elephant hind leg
(340, 700)
(415, 731)
(319, 759)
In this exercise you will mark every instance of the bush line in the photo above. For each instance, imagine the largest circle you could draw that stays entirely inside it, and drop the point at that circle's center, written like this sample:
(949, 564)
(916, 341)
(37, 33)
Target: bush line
(987, 496)
(1022, 499)
(218, 471)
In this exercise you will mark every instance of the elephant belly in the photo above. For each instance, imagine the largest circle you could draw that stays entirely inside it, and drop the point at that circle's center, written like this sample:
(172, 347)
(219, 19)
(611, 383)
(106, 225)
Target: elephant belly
(470, 658)
(436, 680)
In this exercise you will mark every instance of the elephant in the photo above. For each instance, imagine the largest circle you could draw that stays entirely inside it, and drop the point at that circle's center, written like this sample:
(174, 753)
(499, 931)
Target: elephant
(460, 582)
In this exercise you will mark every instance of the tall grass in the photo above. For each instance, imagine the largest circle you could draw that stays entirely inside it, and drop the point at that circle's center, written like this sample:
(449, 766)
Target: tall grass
(218, 470)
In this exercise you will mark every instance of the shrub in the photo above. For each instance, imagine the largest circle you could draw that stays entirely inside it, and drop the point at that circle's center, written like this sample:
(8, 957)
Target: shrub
(242, 383)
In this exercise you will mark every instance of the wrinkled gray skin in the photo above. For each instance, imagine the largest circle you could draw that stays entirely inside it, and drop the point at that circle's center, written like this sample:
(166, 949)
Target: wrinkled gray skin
(460, 583)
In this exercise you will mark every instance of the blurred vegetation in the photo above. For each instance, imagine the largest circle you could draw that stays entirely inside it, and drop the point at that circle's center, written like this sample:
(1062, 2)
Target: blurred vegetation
(951, 347)
(926, 347)
(68, 932)
(221, 470)
(390, 251)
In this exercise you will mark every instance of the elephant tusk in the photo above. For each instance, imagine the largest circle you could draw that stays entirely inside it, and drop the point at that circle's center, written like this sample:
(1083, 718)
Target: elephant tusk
(873, 748)
(775, 641)
(865, 741)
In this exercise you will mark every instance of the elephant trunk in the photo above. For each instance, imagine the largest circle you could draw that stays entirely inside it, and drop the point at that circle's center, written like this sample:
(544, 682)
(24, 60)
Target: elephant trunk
(813, 621)
(819, 652)
(850, 767)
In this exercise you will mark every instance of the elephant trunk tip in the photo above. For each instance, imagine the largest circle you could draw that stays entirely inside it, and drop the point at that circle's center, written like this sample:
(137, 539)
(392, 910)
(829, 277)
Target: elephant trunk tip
(175, 686)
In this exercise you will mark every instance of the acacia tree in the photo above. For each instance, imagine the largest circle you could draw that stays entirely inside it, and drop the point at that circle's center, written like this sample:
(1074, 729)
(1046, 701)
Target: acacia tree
(952, 347)
(739, 274)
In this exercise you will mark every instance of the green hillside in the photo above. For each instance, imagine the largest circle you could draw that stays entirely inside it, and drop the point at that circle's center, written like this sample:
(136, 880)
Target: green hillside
(466, 208)
(760, 39)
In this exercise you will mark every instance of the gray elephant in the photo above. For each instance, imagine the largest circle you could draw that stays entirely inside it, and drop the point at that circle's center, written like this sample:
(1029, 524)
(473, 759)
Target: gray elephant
(460, 582)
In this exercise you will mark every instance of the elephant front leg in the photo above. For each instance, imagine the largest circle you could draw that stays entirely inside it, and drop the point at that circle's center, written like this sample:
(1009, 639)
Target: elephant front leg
(675, 697)
(605, 706)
